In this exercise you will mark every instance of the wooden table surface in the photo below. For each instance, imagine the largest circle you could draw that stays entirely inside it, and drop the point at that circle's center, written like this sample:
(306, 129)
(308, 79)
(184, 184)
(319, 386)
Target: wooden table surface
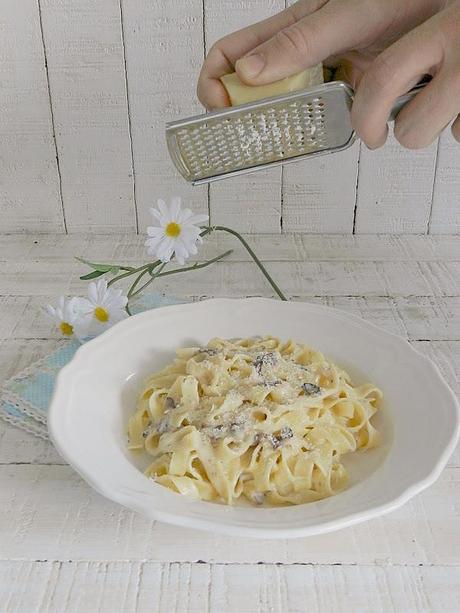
(65, 548)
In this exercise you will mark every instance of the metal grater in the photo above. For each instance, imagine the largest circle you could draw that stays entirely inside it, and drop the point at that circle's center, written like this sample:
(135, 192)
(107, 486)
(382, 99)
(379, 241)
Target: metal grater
(265, 133)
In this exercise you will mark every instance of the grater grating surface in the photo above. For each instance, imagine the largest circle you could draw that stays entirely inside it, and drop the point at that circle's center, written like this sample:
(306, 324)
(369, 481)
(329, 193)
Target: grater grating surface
(262, 134)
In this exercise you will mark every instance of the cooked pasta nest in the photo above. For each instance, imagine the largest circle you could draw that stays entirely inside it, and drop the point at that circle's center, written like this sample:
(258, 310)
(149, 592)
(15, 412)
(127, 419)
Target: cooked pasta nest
(253, 418)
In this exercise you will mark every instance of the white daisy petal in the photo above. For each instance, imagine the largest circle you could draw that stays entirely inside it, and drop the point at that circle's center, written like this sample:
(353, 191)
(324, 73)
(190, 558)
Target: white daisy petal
(118, 315)
(163, 208)
(184, 215)
(192, 248)
(191, 232)
(92, 292)
(181, 252)
(197, 219)
(164, 246)
(101, 285)
(103, 307)
(174, 209)
(155, 231)
(51, 311)
(155, 213)
(84, 307)
(64, 315)
(165, 250)
(153, 243)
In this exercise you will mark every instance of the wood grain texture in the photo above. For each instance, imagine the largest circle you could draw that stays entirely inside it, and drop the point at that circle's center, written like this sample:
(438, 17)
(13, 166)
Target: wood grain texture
(48, 512)
(300, 279)
(193, 588)
(250, 203)
(130, 248)
(445, 215)
(109, 131)
(417, 318)
(30, 198)
(84, 52)
(395, 189)
(319, 195)
(164, 53)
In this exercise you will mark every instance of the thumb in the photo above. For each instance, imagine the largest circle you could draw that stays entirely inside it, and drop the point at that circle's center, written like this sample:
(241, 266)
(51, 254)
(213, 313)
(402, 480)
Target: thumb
(336, 27)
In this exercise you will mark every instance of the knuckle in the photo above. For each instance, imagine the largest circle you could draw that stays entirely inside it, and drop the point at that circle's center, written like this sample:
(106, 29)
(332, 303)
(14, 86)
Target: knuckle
(292, 14)
(380, 75)
(301, 8)
(215, 49)
(294, 42)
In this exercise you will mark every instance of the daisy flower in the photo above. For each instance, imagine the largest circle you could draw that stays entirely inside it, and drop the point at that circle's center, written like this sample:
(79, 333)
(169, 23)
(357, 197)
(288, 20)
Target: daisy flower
(64, 316)
(177, 233)
(103, 308)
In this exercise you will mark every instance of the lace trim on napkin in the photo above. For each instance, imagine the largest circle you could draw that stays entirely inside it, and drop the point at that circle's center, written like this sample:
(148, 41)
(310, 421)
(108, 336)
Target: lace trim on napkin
(25, 398)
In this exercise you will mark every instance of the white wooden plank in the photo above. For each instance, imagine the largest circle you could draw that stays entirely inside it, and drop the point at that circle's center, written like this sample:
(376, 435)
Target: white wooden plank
(48, 512)
(297, 279)
(22, 447)
(446, 356)
(164, 53)
(395, 189)
(319, 195)
(127, 248)
(24, 584)
(445, 214)
(30, 197)
(219, 588)
(84, 51)
(417, 318)
(250, 203)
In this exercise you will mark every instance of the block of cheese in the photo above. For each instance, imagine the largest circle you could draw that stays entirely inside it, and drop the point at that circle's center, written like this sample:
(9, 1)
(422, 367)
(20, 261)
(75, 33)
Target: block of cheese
(239, 93)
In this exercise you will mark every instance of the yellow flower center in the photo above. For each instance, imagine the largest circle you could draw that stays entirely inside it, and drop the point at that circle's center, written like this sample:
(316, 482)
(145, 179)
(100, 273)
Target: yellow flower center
(173, 229)
(101, 314)
(66, 328)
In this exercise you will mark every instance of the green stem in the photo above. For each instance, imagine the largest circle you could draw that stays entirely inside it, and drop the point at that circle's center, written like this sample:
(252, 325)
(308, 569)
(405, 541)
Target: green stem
(132, 272)
(253, 255)
(136, 281)
(129, 268)
(152, 278)
(196, 266)
(139, 277)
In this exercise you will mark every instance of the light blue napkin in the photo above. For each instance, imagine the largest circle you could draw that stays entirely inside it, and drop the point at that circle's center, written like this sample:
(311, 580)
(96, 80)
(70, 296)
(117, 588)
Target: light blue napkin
(25, 398)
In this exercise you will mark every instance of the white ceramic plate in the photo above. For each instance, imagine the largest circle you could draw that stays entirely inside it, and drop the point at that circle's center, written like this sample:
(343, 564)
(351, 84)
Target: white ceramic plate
(96, 393)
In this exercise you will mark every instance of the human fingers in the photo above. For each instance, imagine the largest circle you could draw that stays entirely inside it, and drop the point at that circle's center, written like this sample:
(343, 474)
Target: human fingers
(224, 53)
(421, 121)
(392, 74)
(334, 28)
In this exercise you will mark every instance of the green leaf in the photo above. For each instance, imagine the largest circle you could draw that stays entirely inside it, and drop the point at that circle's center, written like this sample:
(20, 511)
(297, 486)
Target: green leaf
(93, 275)
(99, 267)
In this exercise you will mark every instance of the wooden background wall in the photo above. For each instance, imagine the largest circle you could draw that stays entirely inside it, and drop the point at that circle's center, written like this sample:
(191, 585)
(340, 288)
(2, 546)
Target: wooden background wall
(86, 87)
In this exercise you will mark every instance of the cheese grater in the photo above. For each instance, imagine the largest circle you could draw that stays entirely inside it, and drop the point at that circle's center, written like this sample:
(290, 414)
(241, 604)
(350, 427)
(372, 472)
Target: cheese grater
(266, 133)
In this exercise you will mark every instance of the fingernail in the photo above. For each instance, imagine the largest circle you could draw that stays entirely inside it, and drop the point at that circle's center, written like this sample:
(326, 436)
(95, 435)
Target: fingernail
(252, 65)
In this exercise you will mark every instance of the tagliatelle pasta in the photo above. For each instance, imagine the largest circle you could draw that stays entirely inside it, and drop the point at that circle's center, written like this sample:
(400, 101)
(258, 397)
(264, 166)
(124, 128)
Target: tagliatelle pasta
(255, 418)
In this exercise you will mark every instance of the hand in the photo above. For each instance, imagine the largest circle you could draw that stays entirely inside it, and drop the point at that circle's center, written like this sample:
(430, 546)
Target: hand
(383, 47)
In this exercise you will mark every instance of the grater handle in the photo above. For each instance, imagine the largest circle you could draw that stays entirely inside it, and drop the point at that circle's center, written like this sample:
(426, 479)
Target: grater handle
(404, 99)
